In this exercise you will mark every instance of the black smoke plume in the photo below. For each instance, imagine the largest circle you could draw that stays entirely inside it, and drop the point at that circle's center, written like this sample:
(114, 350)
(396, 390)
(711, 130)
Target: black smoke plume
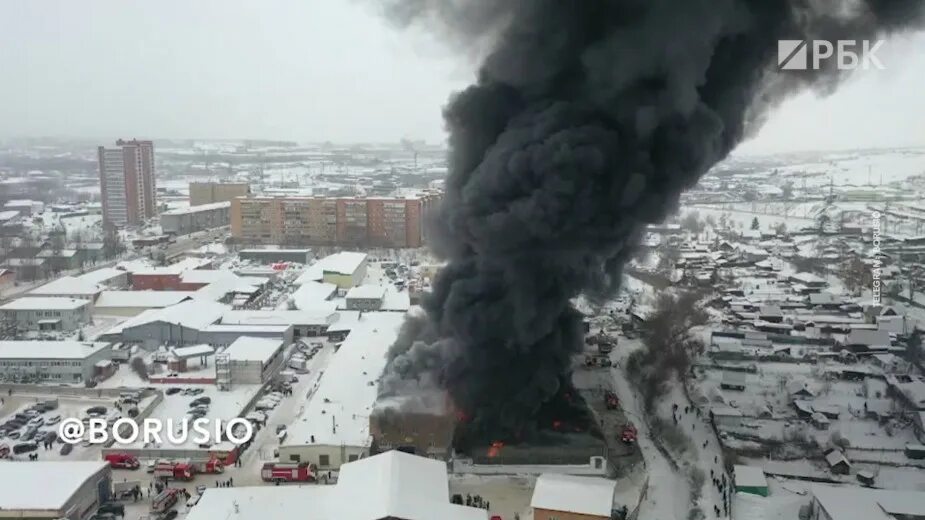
(587, 121)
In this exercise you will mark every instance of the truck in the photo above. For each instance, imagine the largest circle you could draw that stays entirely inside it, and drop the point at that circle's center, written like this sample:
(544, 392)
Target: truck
(173, 470)
(291, 472)
(611, 401)
(212, 465)
(122, 460)
(165, 500)
(628, 434)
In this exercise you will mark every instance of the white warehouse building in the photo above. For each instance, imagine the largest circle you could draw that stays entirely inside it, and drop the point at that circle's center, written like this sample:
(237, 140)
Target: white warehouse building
(52, 361)
(253, 360)
(46, 313)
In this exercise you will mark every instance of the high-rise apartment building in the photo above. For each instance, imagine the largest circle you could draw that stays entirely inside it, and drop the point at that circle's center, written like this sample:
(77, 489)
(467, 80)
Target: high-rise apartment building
(127, 184)
(211, 192)
(332, 221)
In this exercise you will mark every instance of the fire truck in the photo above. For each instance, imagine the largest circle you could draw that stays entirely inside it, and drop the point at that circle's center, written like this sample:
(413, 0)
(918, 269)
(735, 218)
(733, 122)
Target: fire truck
(282, 472)
(165, 500)
(173, 470)
(213, 465)
(122, 460)
(611, 401)
(629, 434)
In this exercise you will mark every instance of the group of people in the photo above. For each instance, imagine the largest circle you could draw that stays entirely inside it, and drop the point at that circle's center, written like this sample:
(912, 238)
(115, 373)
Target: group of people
(719, 482)
(476, 501)
(225, 483)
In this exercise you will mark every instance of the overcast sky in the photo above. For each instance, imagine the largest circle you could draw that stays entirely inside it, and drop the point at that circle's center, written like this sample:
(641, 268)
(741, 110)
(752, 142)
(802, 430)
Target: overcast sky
(317, 70)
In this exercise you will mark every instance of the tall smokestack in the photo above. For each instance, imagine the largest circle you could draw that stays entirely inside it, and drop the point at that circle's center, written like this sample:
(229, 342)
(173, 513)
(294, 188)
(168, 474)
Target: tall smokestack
(587, 121)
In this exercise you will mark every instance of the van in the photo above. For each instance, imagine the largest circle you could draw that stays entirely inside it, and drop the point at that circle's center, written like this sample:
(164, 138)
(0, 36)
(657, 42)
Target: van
(25, 447)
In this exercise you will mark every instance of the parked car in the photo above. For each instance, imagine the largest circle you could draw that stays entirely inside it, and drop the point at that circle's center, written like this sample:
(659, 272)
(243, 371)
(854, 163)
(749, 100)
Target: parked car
(54, 419)
(13, 435)
(173, 390)
(25, 447)
(96, 410)
(170, 515)
(38, 421)
(66, 449)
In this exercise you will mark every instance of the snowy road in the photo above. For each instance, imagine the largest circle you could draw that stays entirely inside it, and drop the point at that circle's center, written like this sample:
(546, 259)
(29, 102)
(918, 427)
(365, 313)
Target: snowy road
(668, 494)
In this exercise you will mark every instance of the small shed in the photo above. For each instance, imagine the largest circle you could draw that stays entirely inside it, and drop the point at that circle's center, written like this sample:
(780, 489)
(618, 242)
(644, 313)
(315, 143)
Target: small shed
(750, 479)
(799, 390)
(820, 421)
(838, 463)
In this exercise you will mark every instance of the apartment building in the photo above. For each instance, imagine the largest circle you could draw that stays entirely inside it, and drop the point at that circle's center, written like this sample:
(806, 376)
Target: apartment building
(127, 184)
(349, 222)
(213, 192)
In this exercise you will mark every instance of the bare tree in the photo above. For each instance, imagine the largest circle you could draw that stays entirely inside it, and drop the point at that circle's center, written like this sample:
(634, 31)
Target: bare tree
(138, 366)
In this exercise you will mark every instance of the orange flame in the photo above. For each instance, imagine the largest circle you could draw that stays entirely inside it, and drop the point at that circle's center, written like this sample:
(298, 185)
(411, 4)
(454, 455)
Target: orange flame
(495, 449)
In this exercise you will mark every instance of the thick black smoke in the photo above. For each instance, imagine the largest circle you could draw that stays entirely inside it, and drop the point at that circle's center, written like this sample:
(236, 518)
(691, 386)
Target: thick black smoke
(588, 119)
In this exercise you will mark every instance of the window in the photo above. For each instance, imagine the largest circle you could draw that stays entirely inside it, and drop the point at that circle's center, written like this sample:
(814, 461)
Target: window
(351, 458)
(324, 460)
(295, 458)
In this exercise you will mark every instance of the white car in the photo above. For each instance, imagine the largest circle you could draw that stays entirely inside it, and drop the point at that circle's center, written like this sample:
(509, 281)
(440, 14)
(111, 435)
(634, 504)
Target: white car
(54, 419)
(36, 421)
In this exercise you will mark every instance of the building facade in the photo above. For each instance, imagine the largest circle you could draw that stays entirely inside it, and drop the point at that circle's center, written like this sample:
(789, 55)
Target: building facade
(46, 314)
(326, 221)
(212, 192)
(51, 361)
(127, 182)
(77, 490)
(184, 221)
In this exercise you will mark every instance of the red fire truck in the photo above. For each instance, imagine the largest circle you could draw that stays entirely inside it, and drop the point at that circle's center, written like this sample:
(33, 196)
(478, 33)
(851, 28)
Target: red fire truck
(282, 472)
(121, 460)
(173, 470)
(209, 466)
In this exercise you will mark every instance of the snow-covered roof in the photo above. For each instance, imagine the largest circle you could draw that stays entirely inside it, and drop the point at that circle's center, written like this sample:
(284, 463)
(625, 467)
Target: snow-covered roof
(312, 293)
(48, 350)
(142, 299)
(348, 387)
(836, 457)
(43, 485)
(573, 494)
(868, 337)
(194, 314)
(323, 316)
(366, 292)
(857, 503)
(45, 303)
(187, 264)
(64, 253)
(247, 348)
(68, 285)
(197, 209)
(345, 262)
(749, 476)
(392, 485)
(807, 278)
(725, 411)
(101, 275)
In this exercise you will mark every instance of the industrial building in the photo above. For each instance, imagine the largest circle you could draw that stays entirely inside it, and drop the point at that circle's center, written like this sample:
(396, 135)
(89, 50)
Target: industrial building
(133, 303)
(272, 256)
(335, 427)
(46, 314)
(69, 287)
(183, 221)
(393, 486)
(254, 360)
(70, 490)
(127, 182)
(855, 503)
(202, 193)
(51, 361)
(365, 298)
(325, 221)
(345, 270)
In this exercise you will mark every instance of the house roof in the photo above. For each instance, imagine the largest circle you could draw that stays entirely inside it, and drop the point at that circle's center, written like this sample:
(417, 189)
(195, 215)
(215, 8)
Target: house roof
(193, 314)
(141, 299)
(366, 292)
(57, 481)
(45, 303)
(48, 350)
(749, 476)
(247, 348)
(857, 503)
(573, 494)
(868, 338)
(392, 485)
(68, 285)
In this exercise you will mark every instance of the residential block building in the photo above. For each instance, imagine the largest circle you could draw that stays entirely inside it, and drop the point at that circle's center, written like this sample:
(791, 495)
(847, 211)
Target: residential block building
(127, 184)
(328, 221)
